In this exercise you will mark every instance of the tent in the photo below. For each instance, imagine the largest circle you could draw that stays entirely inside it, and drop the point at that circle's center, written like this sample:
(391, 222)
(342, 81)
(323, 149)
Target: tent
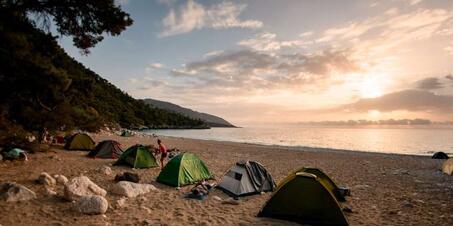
(106, 149)
(14, 153)
(303, 197)
(447, 167)
(80, 141)
(338, 192)
(247, 178)
(439, 155)
(137, 156)
(126, 133)
(183, 169)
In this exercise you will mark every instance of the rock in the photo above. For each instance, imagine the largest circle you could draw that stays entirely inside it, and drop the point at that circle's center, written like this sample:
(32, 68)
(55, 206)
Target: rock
(447, 167)
(46, 179)
(106, 170)
(131, 189)
(61, 179)
(81, 186)
(121, 202)
(91, 204)
(50, 192)
(12, 192)
(1, 157)
(362, 186)
(127, 176)
(148, 210)
(231, 201)
(215, 197)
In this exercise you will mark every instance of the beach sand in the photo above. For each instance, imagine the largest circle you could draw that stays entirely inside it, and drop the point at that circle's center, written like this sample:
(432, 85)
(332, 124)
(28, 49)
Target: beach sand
(386, 189)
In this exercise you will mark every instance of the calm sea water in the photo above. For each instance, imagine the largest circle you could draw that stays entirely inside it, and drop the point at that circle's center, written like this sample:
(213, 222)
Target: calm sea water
(419, 141)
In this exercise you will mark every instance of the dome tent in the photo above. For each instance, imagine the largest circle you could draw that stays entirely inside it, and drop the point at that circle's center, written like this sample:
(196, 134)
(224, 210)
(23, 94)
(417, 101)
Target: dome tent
(106, 149)
(184, 169)
(247, 178)
(80, 141)
(137, 156)
(305, 198)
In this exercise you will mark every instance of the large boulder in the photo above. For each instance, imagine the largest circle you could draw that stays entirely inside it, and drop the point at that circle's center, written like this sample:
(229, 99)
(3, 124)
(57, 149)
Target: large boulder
(46, 179)
(81, 186)
(91, 204)
(131, 189)
(12, 192)
(447, 167)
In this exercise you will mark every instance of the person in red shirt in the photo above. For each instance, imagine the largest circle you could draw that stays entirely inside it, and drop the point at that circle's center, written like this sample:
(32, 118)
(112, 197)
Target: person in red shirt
(163, 152)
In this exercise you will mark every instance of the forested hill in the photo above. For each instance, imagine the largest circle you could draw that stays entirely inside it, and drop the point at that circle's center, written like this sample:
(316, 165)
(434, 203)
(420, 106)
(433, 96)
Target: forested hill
(211, 120)
(43, 87)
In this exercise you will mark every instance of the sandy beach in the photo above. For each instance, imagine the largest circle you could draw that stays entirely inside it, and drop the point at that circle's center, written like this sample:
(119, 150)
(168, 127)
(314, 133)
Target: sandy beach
(385, 189)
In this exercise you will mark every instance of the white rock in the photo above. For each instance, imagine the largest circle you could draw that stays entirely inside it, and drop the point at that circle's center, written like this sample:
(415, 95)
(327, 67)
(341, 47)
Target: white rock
(61, 179)
(447, 167)
(81, 186)
(46, 179)
(12, 192)
(215, 197)
(148, 210)
(50, 192)
(105, 170)
(91, 204)
(130, 189)
(121, 202)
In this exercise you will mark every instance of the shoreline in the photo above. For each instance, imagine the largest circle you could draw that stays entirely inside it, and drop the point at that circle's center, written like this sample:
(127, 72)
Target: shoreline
(301, 148)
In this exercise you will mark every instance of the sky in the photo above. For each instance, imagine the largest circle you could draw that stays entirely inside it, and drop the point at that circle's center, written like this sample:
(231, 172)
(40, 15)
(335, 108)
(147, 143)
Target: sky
(266, 61)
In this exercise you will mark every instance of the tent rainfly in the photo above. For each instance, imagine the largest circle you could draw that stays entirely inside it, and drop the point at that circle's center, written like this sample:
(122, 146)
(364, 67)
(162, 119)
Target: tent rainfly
(107, 149)
(137, 156)
(80, 141)
(247, 178)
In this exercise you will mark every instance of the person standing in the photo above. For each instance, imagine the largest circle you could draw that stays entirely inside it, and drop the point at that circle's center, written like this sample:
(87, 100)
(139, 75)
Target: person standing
(163, 152)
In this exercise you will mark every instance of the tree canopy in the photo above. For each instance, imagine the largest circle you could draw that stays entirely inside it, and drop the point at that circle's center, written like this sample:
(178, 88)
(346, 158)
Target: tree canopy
(42, 87)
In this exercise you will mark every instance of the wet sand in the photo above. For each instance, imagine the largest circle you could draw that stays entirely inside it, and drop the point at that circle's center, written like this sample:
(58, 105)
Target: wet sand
(386, 189)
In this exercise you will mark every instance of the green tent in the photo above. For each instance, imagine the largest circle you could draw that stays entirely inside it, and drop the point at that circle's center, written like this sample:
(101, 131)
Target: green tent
(106, 149)
(303, 197)
(80, 141)
(183, 169)
(137, 156)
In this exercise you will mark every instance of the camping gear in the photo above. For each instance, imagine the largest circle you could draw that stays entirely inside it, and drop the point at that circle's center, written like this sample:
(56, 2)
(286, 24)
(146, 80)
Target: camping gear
(126, 133)
(80, 141)
(247, 178)
(183, 169)
(137, 156)
(440, 155)
(106, 149)
(447, 167)
(127, 176)
(14, 153)
(303, 197)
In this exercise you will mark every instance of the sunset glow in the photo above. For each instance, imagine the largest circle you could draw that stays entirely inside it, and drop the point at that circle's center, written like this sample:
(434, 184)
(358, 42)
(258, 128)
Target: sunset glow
(247, 66)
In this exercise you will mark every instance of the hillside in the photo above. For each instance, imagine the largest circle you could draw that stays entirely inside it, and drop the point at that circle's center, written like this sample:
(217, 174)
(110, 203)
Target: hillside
(41, 87)
(211, 120)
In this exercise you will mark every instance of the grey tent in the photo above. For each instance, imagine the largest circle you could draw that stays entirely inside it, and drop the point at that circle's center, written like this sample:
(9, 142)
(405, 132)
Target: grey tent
(247, 178)
(107, 149)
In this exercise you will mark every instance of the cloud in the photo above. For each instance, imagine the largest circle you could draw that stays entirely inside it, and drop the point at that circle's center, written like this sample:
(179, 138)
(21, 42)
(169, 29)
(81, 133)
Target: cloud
(253, 70)
(213, 53)
(409, 100)
(195, 16)
(268, 42)
(156, 65)
(434, 83)
(430, 84)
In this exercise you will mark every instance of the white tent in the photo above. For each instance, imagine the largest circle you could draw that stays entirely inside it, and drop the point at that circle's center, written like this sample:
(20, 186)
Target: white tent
(247, 178)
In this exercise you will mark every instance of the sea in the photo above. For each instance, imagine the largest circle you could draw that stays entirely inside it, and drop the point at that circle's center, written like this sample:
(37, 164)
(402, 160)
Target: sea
(400, 140)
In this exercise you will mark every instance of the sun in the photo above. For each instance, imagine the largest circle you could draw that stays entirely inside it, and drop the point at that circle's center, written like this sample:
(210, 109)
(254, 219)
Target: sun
(370, 88)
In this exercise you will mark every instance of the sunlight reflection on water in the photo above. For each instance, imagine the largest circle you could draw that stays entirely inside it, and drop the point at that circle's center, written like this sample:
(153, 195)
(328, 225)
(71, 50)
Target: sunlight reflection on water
(420, 141)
